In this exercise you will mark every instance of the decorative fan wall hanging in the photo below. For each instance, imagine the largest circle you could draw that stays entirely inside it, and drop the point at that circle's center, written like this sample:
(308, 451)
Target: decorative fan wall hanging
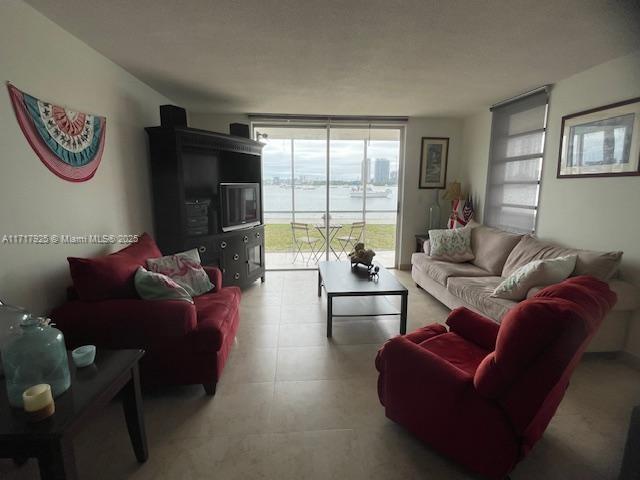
(69, 143)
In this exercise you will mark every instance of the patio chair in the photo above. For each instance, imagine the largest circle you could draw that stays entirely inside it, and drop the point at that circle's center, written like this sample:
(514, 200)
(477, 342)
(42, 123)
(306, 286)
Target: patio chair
(356, 231)
(302, 237)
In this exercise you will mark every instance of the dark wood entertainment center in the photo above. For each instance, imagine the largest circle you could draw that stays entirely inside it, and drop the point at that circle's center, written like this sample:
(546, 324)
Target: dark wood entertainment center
(187, 167)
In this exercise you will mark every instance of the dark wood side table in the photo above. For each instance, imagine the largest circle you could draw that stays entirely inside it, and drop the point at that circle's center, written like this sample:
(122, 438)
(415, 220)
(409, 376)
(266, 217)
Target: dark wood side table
(420, 239)
(50, 441)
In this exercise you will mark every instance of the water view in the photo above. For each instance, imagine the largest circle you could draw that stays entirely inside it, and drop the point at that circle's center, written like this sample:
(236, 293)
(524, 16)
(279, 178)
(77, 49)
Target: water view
(362, 175)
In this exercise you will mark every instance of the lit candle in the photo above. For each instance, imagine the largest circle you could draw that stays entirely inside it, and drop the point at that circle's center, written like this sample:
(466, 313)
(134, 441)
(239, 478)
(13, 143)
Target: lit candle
(38, 402)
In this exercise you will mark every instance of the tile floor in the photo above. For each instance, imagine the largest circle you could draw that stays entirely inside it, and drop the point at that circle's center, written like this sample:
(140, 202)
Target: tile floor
(292, 405)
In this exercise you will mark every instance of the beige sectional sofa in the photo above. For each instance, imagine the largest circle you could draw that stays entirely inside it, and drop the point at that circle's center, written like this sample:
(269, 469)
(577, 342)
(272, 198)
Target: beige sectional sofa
(497, 255)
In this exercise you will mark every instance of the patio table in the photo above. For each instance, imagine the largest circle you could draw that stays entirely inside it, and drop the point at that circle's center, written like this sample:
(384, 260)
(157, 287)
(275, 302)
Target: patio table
(334, 228)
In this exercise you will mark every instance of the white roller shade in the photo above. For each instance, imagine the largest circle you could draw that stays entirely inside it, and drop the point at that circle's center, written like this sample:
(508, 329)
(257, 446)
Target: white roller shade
(515, 163)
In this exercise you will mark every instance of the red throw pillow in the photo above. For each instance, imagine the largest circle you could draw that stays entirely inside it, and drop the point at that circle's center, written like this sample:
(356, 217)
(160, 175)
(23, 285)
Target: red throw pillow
(111, 276)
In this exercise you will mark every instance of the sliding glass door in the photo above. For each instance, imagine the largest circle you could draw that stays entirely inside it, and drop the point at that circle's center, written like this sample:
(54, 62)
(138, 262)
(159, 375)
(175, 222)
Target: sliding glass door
(327, 188)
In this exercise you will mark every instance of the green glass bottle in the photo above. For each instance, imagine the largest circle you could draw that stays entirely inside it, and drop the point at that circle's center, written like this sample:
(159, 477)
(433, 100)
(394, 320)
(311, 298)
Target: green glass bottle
(35, 354)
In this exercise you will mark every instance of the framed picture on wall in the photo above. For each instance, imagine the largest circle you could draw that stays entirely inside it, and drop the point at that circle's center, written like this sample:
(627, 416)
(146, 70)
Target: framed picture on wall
(601, 142)
(434, 154)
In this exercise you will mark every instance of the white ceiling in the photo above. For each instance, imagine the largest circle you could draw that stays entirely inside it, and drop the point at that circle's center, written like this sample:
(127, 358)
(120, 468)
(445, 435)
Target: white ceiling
(351, 57)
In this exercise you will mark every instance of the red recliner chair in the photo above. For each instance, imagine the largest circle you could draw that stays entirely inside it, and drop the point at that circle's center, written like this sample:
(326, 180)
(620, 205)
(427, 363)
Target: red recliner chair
(482, 393)
(185, 343)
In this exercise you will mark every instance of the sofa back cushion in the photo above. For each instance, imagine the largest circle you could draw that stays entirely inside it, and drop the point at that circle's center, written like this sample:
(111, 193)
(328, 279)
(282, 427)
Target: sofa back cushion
(491, 247)
(539, 343)
(111, 276)
(602, 265)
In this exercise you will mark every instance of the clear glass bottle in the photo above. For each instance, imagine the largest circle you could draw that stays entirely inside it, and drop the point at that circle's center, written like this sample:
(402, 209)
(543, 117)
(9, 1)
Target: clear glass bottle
(35, 354)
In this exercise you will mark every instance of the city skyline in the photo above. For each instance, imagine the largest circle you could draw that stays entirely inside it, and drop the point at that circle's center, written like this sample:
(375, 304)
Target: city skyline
(310, 159)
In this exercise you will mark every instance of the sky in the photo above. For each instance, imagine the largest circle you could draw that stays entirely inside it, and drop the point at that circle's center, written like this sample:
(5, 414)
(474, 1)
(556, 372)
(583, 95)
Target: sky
(310, 158)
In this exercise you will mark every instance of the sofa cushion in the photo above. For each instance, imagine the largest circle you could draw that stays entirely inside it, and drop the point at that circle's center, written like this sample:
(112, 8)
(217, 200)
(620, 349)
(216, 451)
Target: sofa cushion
(456, 350)
(602, 265)
(476, 292)
(111, 276)
(491, 247)
(440, 270)
(215, 312)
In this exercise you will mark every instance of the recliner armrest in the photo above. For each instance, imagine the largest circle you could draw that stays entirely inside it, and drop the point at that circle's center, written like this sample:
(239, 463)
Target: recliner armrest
(406, 368)
(124, 323)
(474, 327)
(425, 333)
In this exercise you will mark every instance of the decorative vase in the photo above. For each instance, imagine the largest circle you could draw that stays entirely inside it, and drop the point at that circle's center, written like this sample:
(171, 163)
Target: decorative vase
(35, 354)
(434, 214)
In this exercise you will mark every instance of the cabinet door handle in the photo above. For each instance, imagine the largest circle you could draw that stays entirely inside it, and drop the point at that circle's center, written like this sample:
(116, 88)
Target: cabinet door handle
(236, 276)
(202, 249)
(236, 256)
(245, 239)
(223, 245)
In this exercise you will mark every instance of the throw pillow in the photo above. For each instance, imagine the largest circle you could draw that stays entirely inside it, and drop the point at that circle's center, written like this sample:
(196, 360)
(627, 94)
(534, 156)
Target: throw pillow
(185, 269)
(451, 245)
(538, 273)
(156, 286)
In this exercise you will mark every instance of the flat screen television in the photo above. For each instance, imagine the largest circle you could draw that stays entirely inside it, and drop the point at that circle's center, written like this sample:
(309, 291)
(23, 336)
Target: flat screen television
(240, 205)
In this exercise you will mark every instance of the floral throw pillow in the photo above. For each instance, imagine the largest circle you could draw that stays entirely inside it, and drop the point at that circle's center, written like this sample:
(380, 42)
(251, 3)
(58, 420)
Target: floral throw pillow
(155, 286)
(184, 269)
(451, 245)
(537, 273)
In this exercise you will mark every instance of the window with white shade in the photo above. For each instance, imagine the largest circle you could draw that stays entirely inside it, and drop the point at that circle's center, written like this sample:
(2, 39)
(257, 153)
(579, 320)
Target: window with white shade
(515, 162)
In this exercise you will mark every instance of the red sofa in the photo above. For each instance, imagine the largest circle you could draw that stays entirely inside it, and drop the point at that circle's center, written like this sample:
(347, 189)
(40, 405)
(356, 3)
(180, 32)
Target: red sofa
(185, 343)
(482, 393)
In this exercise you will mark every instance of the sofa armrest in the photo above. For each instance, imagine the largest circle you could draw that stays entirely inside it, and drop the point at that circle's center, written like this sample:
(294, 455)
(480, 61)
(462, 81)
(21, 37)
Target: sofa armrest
(474, 327)
(124, 323)
(215, 275)
(628, 295)
(409, 372)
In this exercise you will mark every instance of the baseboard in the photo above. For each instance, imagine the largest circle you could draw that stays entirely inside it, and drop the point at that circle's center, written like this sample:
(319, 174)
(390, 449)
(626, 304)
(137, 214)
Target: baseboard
(630, 359)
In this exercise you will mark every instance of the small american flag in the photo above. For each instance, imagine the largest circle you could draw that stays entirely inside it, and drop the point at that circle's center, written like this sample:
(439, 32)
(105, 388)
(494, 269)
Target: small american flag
(467, 210)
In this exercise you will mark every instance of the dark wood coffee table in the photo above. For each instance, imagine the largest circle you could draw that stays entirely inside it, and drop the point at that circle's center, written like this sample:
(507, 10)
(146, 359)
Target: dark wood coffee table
(50, 441)
(339, 280)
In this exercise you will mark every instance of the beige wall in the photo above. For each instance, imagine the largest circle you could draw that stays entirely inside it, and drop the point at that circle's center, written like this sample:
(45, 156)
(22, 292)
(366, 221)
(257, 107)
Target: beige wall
(595, 213)
(46, 61)
(416, 202)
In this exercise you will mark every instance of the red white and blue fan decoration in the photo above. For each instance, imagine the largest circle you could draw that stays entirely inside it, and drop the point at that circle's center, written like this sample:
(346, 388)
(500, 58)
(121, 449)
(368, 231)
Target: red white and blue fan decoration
(69, 143)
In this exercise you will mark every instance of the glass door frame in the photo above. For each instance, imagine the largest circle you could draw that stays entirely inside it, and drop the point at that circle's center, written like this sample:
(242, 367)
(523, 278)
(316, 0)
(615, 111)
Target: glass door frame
(337, 124)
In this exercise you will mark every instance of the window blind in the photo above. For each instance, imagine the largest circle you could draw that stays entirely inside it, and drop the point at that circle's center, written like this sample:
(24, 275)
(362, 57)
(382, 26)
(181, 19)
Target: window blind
(515, 162)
